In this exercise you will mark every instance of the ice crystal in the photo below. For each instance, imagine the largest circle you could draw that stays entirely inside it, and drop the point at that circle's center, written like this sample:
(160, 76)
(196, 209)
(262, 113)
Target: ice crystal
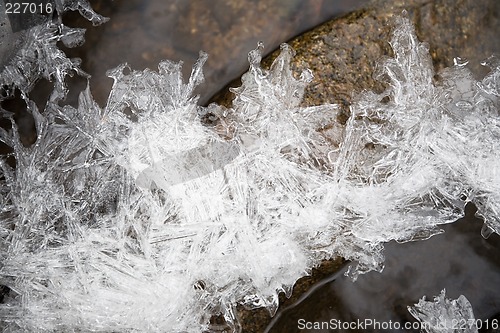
(39, 57)
(444, 315)
(138, 218)
(435, 142)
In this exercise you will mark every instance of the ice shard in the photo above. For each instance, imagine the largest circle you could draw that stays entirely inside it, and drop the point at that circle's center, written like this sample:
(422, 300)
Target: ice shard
(445, 315)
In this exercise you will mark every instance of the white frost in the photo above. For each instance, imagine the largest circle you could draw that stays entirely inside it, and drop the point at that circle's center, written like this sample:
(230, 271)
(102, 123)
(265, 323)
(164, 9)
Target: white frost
(139, 218)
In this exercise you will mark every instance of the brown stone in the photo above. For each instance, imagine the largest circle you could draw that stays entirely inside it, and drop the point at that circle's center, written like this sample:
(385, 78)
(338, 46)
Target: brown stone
(343, 53)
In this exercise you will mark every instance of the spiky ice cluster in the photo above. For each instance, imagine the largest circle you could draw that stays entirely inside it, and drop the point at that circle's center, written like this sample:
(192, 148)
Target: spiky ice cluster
(445, 315)
(137, 217)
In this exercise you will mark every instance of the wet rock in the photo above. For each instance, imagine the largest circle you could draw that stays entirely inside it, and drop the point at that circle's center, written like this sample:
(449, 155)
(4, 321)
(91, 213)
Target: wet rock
(343, 54)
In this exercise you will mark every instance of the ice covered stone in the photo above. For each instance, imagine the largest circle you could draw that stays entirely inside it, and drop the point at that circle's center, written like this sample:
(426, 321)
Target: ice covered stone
(137, 217)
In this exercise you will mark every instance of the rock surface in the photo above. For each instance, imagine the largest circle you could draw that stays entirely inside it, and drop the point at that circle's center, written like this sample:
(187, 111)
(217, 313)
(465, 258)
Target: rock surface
(343, 54)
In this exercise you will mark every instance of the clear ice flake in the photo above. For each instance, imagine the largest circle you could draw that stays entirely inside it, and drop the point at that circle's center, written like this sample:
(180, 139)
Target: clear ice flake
(83, 7)
(137, 217)
(38, 56)
(445, 315)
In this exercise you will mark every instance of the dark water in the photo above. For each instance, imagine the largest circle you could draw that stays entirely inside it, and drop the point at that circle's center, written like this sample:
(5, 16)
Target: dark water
(459, 260)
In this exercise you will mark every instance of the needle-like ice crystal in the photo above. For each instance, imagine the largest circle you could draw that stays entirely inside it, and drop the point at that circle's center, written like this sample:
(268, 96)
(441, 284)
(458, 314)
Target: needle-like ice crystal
(39, 57)
(139, 218)
(444, 315)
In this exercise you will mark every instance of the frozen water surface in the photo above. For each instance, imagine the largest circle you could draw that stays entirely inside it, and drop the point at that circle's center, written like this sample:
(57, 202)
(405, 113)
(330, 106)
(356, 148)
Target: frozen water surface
(137, 217)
